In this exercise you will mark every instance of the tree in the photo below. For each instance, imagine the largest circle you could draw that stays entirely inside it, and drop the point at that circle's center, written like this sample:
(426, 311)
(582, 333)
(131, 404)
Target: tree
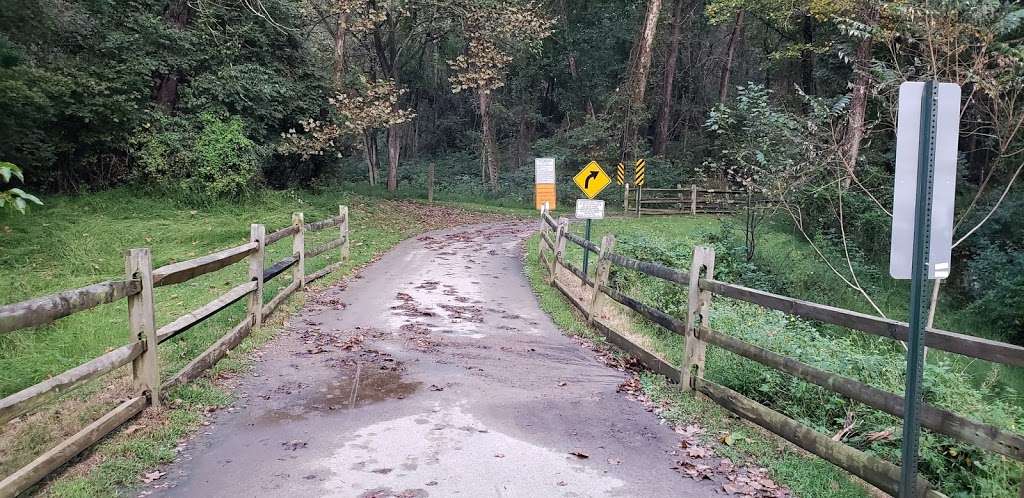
(494, 33)
(665, 111)
(356, 114)
(636, 81)
(860, 89)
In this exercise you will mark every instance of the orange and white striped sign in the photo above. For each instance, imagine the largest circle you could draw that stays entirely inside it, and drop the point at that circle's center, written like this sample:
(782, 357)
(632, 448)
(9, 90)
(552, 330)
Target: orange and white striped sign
(544, 186)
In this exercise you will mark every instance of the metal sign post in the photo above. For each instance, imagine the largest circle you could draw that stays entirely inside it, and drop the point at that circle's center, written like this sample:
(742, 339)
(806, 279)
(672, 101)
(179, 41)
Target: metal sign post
(591, 180)
(926, 151)
(588, 209)
(586, 252)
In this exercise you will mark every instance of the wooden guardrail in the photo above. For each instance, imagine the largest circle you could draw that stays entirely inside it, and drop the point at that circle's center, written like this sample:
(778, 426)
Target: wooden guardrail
(692, 200)
(701, 286)
(141, 351)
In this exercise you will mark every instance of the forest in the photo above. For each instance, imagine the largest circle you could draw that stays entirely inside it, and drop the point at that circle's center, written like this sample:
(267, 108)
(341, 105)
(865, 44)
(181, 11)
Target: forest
(204, 101)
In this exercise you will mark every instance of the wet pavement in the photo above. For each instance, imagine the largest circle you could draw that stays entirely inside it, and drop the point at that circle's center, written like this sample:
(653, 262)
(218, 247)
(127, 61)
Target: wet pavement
(432, 373)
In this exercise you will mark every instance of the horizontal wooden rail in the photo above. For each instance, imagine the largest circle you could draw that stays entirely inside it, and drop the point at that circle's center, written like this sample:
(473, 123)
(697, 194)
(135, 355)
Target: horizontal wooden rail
(878, 472)
(653, 314)
(279, 267)
(322, 224)
(327, 269)
(549, 220)
(320, 249)
(268, 309)
(211, 356)
(192, 319)
(974, 347)
(27, 476)
(686, 210)
(29, 398)
(583, 243)
(938, 420)
(285, 232)
(652, 269)
(46, 309)
(184, 271)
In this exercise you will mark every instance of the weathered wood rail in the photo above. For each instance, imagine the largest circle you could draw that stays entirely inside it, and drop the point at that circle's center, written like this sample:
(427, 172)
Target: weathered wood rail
(701, 286)
(141, 350)
(691, 200)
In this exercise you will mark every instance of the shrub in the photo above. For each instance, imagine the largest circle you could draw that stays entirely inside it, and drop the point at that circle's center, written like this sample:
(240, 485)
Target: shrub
(200, 162)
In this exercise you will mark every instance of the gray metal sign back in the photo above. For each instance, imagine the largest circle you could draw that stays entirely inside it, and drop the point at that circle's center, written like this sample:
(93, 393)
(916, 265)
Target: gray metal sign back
(908, 139)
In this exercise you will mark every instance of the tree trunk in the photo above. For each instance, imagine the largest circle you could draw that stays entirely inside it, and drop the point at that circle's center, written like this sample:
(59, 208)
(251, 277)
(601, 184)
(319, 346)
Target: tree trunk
(858, 100)
(730, 55)
(339, 51)
(177, 14)
(807, 59)
(394, 148)
(490, 145)
(370, 146)
(638, 84)
(665, 113)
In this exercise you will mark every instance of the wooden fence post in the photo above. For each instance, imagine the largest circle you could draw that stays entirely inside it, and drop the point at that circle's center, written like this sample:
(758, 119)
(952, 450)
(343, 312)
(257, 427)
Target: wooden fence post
(138, 264)
(693, 198)
(430, 183)
(604, 267)
(343, 227)
(556, 256)
(299, 250)
(257, 233)
(543, 231)
(697, 315)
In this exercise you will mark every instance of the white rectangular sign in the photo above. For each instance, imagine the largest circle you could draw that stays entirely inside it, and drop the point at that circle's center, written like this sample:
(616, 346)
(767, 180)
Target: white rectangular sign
(589, 209)
(544, 168)
(908, 141)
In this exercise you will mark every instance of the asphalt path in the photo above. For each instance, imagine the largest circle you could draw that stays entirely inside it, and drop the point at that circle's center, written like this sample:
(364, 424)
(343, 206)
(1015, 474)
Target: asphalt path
(433, 372)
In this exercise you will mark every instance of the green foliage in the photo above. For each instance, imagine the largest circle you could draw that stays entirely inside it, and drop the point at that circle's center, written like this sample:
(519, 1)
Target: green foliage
(768, 149)
(201, 162)
(78, 80)
(14, 198)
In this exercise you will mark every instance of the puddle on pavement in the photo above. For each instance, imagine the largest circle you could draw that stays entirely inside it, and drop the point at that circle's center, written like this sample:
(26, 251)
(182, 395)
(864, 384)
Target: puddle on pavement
(344, 393)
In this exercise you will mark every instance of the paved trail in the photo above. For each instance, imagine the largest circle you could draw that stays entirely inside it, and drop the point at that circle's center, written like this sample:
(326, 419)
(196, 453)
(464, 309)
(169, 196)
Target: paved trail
(434, 373)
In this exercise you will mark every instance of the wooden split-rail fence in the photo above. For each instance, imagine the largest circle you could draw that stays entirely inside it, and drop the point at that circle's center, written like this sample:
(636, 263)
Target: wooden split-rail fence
(698, 333)
(689, 200)
(141, 351)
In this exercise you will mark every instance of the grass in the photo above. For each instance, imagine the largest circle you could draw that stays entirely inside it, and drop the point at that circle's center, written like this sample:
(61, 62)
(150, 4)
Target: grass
(807, 476)
(76, 241)
(789, 266)
(789, 263)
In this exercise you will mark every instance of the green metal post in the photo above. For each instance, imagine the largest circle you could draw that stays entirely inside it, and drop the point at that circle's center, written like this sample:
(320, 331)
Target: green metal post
(586, 252)
(918, 292)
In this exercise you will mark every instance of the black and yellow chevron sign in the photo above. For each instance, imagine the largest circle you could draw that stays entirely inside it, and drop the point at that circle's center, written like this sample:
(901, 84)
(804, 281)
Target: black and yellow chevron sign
(620, 174)
(640, 173)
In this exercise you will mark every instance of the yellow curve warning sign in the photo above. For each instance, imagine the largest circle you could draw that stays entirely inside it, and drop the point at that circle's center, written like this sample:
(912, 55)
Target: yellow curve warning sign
(592, 179)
